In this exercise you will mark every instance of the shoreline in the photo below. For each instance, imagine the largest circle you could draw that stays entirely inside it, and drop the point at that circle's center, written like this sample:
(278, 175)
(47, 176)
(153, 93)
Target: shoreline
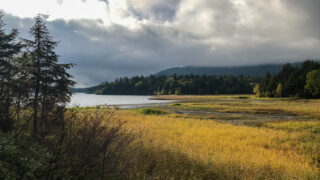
(129, 106)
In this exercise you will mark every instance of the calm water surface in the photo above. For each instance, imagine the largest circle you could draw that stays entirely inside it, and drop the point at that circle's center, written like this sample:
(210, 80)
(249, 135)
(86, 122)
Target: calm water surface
(123, 101)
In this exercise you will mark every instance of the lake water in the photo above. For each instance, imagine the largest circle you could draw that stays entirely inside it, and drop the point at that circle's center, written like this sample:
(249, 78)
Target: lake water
(123, 101)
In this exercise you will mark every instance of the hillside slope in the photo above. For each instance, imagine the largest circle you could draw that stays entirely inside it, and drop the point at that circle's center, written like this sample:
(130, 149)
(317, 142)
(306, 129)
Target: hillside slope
(253, 71)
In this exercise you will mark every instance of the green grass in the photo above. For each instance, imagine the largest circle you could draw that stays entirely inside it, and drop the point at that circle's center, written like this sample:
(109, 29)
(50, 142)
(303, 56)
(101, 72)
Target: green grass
(152, 111)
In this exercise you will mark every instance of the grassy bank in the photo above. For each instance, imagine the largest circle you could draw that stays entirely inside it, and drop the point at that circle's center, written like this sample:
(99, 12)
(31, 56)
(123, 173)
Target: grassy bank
(205, 142)
(248, 104)
(210, 137)
(222, 150)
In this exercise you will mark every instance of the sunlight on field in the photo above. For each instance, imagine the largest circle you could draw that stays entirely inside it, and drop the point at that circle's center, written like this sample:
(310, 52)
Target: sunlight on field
(224, 151)
(311, 126)
(248, 103)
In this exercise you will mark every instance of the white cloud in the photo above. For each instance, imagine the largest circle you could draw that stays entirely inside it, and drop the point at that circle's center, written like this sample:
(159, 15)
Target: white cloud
(67, 9)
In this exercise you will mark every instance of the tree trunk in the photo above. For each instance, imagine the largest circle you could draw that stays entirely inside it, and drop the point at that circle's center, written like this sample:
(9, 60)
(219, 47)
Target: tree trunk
(35, 109)
(36, 96)
(44, 114)
(18, 107)
(37, 88)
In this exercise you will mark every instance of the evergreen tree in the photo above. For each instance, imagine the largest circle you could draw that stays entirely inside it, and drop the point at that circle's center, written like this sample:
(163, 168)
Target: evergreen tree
(263, 86)
(50, 80)
(9, 48)
(292, 81)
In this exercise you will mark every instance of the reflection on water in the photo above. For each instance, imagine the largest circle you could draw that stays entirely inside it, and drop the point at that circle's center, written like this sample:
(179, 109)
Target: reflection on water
(123, 101)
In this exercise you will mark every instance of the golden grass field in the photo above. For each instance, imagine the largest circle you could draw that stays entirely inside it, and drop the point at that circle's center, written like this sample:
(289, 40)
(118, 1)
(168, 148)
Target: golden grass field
(206, 145)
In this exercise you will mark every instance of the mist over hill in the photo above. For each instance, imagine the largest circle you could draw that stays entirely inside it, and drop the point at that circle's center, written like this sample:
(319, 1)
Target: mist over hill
(252, 71)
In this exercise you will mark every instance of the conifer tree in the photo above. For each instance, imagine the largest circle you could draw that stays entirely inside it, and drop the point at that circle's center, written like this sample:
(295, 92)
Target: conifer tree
(9, 48)
(50, 80)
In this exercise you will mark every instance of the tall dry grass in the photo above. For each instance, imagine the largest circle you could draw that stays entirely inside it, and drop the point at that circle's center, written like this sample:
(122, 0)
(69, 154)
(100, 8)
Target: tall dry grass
(207, 149)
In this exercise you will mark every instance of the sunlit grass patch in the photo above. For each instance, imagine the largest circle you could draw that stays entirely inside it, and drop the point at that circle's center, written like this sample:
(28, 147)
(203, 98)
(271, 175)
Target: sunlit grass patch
(210, 117)
(224, 150)
(190, 142)
(255, 106)
(309, 126)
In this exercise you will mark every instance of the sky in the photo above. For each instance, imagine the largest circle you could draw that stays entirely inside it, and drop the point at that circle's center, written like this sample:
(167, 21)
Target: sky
(107, 39)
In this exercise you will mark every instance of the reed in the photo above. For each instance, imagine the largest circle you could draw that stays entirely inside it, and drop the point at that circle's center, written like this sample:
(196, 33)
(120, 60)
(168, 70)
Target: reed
(221, 150)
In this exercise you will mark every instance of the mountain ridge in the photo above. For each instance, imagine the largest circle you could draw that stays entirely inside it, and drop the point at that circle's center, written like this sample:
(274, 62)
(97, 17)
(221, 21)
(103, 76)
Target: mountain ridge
(253, 71)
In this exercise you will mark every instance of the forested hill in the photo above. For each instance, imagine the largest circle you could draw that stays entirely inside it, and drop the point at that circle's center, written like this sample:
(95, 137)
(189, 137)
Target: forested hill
(292, 81)
(252, 71)
(191, 80)
(186, 84)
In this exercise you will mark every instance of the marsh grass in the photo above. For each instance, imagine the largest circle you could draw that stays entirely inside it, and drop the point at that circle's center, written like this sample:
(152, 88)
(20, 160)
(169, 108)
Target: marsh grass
(219, 150)
(310, 126)
(253, 144)
(253, 105)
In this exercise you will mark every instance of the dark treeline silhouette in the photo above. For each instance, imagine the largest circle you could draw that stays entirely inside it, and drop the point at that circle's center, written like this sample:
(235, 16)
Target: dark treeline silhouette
(292, 81)
(186, 84)
(39, 137)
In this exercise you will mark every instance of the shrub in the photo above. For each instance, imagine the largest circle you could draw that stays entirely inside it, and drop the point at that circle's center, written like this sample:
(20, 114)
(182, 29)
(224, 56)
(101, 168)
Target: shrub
(152, 111)
(81, 144)
(92, 145)
(25, 160)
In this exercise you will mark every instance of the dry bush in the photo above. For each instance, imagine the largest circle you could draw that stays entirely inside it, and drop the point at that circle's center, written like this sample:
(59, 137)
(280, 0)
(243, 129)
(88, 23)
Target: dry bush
(91, 144)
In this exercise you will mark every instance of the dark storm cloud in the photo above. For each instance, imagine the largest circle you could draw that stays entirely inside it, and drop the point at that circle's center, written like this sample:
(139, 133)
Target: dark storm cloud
(158, 10)
(310, 9)
(99, 54)
(186, 32)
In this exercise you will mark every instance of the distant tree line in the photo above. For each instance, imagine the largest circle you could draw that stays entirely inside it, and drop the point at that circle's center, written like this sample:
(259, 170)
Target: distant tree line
(292, 81)
(184, 84)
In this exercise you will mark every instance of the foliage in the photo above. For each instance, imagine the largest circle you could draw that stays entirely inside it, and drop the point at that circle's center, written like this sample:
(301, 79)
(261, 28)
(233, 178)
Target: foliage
(152, 111)
(292, 82)
(279, 90)
(39, 138)
(186, 84)
(50, 81)
(92, 145)
(256, 89)
(313, 83)
(25, 160)
(9, 48)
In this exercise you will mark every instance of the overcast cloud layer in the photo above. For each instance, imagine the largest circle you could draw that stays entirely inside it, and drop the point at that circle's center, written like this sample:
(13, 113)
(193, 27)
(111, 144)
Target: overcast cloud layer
(115, 38)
